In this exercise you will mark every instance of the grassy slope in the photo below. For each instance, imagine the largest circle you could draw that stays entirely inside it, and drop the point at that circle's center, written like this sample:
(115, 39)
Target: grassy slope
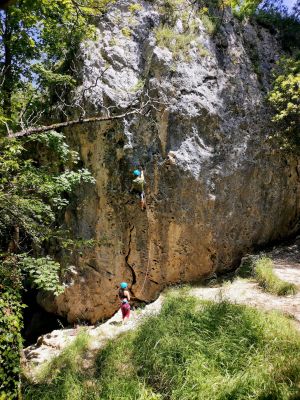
(269, 281)
(192, 351)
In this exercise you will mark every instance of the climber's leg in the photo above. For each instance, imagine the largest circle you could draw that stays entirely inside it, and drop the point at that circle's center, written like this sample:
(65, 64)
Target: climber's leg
(125, 308)
(143, 202)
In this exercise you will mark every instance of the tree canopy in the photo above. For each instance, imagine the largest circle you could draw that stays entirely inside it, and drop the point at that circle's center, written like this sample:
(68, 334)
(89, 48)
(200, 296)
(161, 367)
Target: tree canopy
(38, 47)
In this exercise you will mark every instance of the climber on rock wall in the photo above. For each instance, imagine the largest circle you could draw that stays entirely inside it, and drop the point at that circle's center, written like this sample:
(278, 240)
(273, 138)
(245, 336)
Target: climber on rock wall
(124, 297)
(138, 186)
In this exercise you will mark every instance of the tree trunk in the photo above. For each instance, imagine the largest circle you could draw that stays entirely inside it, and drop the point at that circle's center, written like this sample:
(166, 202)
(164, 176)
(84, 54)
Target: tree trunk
(14, 242)
(7, 86)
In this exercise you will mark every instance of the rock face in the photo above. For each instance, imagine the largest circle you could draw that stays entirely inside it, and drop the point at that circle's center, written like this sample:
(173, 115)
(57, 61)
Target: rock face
(216, 187)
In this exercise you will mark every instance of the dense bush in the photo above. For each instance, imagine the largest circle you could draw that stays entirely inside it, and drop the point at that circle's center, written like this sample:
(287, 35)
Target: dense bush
(284, 99)
(10, 344)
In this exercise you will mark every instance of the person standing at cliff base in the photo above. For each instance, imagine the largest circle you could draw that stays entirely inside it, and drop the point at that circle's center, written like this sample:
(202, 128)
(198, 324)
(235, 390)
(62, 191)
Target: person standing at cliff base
(124, 297)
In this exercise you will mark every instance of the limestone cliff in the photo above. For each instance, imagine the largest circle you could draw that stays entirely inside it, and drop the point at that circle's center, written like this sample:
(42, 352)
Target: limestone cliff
(215, 186)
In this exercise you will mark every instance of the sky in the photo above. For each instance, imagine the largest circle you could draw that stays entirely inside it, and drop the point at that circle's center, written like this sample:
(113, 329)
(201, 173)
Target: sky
(289, 3)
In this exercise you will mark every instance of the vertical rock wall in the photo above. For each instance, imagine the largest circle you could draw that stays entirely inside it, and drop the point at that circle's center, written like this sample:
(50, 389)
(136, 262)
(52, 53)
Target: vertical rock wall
(215, 186)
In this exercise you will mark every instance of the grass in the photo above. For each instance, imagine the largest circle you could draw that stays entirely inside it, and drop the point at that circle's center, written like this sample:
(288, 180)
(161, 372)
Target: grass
(179, 43)
(175, 42)
(269, 281)
(261, 269)
(63, 377)
(209, 24)
(193, 350)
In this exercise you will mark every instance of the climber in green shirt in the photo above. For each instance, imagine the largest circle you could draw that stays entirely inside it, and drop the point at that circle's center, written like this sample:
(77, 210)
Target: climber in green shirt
(138, 186)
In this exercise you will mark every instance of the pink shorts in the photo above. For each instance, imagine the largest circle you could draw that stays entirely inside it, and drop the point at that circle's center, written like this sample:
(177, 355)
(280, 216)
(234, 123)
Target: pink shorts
(125, 308)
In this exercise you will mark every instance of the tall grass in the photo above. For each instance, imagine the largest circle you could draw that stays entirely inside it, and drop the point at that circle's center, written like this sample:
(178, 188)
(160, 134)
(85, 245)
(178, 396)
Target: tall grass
(63, 378)
(218, 351)
(269, 281)
(192, 351)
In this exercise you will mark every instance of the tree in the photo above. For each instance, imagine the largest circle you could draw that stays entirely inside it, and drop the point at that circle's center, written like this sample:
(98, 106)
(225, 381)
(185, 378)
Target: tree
(275, 16)
(39, 40)
(285, 100)
(34, 190)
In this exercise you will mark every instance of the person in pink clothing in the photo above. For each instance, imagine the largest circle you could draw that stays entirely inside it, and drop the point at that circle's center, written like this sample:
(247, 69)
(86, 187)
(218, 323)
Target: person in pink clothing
(124, 297)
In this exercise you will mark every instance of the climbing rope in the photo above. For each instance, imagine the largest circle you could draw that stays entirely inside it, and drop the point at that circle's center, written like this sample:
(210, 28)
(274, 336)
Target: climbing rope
(146, 275)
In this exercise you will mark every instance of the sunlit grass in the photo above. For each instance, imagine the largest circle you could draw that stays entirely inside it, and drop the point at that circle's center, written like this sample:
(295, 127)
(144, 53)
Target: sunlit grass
(269, 281)
(63, 377)
(193, 350)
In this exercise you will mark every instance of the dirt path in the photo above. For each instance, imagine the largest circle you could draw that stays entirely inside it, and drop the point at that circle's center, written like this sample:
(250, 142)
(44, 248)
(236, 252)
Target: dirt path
(286, 266)
(286, 261)
(246, 292)
(51, 344)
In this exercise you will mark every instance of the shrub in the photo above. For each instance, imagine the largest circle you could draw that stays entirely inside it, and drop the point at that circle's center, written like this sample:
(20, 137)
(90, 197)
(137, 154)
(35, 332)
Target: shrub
(274, 16)
(10, 343)
(209, 24)
(284, 98)
(247, 265)
(176, 42)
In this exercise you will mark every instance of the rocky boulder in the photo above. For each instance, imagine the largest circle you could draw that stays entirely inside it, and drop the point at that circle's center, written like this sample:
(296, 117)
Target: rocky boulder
(215, 186)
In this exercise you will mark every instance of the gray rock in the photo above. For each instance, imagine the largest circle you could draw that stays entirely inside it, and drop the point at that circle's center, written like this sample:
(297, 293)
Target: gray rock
(215, 186)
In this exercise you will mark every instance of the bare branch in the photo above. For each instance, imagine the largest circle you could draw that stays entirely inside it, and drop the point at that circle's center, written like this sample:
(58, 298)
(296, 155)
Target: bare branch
(46, 128)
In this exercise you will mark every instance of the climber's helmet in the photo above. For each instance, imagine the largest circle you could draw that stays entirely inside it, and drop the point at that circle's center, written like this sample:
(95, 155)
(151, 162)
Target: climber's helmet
(123, 285)
(136, 172)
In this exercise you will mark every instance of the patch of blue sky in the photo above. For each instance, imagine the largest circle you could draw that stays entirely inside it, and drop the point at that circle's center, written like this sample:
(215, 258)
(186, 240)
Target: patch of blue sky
(289, 4)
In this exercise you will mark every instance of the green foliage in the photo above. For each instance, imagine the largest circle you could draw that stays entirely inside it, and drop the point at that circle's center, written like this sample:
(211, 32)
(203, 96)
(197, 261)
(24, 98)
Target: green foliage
(193, 350)
(284, 98)
(133, 8)
(10, 343)
(30, 192)
(167, 34)
(127, 32)
(43, 273)
(38, 44)
(247, 265)
(269, 281)
(273, 15)
(71, 358)
(245, 8)
(213, 351)
(209, 24)
(177, 43)
(31, 195)
(260, 268)
(34, 188)
(49, 77)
